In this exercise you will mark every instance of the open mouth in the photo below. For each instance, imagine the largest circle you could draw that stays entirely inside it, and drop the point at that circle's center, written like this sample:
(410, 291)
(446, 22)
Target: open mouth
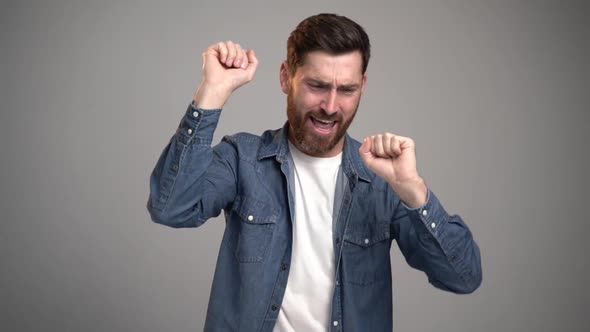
(323, 126)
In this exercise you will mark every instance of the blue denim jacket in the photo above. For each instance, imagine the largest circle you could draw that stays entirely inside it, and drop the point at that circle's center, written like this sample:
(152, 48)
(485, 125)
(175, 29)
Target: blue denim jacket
(248, 177)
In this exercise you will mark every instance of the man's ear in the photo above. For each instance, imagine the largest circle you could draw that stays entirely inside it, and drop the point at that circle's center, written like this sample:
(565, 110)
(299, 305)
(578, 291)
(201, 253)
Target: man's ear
(284, 77)
(364, 83)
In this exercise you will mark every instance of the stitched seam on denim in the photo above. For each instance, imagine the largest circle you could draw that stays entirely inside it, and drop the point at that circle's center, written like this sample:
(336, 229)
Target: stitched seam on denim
(175, 177)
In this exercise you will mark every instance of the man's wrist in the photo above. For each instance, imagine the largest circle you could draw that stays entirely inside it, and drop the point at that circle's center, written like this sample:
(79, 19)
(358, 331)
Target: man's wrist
(413, 193)
(210, 98)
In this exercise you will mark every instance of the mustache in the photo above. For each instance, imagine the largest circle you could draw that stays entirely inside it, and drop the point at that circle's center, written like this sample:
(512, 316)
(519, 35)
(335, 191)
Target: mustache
(323, 116)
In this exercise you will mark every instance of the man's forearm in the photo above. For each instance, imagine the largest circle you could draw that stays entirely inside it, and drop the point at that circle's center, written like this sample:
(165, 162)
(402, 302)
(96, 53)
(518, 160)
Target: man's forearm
(177, 184)
(412, 193)
(207, 97)
(440, 245)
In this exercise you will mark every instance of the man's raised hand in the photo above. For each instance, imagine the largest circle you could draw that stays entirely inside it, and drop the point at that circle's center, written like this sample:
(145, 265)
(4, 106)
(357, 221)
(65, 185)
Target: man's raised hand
(393, 158)
(226, 67)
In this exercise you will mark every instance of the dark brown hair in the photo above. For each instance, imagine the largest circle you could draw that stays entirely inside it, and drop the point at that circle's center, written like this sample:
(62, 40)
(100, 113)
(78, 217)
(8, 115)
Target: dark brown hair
(330, 33)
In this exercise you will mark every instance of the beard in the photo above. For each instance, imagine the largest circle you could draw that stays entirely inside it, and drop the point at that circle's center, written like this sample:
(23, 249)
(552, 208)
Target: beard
(306, 140)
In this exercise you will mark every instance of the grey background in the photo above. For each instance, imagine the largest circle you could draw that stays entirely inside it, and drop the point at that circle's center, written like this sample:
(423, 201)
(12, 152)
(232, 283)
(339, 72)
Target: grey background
(495, 93)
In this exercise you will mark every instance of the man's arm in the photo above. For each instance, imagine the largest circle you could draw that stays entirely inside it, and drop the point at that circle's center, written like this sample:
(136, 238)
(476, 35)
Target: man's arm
(430, 239)
(191, 181)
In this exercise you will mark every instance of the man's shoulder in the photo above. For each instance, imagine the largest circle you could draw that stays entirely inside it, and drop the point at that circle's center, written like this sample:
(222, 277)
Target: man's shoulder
(352, 142)
(267, 136)
(253, 145)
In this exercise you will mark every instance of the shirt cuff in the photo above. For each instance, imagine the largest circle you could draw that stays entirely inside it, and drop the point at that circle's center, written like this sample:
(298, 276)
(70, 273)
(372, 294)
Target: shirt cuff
(431, 214)
(198, 125)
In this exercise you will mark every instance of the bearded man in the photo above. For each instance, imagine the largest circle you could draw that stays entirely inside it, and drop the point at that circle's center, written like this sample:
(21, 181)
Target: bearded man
(310, 212)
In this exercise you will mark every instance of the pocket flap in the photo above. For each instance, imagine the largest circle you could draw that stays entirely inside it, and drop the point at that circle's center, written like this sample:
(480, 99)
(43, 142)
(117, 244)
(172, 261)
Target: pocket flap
(254, 211)
(367, 235)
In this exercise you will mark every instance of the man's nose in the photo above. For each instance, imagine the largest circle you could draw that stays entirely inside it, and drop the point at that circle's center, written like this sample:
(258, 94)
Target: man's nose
(330, 105)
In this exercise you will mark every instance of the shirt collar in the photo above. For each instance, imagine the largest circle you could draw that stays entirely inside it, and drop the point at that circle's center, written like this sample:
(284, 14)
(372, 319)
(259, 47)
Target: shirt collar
(275, 144)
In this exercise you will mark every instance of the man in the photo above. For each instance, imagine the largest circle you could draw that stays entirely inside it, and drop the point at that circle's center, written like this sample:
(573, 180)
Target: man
(310, 212)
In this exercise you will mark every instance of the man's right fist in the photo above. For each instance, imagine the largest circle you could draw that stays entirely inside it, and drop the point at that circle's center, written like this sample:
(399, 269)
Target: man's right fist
(226, 67)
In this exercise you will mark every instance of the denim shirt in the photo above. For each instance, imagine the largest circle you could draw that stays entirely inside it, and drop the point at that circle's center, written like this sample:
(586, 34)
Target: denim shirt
(249, 177)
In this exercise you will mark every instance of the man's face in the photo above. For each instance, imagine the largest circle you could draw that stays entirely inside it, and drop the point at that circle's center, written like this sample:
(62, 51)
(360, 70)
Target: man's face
(322, 98)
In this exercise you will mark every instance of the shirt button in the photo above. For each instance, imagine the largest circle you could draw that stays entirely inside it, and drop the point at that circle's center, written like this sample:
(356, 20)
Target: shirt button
(424, 213)
(433, 225)
(195, 114)
(250, 218)
(335, 323)
(283, 267)
(190, 131)
(366, 241)
(175, 167)
(274, 307)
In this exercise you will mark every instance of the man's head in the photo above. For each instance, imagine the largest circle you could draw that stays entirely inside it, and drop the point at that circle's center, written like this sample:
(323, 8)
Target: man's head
(324, 78)
(330, 33)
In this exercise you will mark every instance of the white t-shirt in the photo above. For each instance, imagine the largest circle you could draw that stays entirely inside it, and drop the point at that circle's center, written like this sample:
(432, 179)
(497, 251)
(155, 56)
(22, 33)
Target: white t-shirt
(308, 297)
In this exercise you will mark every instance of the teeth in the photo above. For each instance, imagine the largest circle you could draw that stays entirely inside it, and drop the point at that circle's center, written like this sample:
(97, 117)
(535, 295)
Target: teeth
(324, 121)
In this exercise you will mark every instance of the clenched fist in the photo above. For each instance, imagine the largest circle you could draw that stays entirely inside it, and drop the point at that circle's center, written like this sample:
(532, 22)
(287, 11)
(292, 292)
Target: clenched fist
(393, 158)
(226, 67)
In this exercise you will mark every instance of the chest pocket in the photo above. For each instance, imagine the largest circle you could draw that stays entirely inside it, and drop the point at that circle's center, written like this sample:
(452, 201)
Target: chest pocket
(365, 254)
(256, 225)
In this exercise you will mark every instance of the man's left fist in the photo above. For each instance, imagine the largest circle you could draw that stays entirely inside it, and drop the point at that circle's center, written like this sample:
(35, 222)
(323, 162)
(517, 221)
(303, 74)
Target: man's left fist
(393, 158)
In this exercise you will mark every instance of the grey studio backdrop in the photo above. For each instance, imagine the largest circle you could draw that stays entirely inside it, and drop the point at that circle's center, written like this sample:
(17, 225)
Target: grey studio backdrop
(495, 93)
